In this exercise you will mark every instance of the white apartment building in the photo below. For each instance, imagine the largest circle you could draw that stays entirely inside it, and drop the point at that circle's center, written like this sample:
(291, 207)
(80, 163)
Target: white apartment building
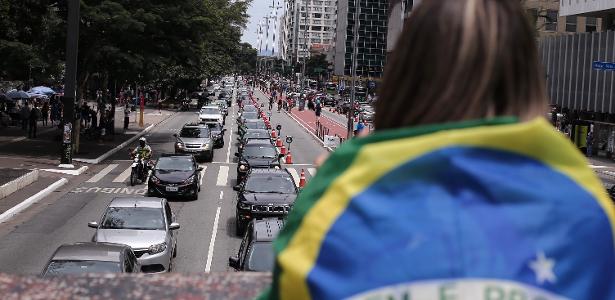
(314, 18)
(604, 9)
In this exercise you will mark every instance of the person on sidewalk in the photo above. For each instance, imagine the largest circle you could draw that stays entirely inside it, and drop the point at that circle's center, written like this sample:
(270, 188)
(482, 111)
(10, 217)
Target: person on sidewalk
(126, 116)
(35, 115)
(94, 118)
(24, 114)
(318, 111)
(589, 141)
(45, 113)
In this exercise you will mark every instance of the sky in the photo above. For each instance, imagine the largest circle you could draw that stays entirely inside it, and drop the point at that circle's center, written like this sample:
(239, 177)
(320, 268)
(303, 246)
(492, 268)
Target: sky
(257, 11)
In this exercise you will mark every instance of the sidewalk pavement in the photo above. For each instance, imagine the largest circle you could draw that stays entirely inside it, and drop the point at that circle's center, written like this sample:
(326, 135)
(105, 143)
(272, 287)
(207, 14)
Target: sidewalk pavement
(307, 118)
(16, 150)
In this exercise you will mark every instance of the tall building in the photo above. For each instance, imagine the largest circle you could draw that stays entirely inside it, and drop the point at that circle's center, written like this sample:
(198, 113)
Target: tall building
(546, 17)
(311, 19)
(399, 10)
(372, 44)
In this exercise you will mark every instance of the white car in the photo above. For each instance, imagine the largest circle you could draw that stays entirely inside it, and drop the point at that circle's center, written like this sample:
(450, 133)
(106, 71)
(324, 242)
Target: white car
(211, 114)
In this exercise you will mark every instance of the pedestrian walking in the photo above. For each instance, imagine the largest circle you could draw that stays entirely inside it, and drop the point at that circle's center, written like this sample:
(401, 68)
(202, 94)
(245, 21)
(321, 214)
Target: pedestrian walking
(35, 115)
(126, 116)
(45, 113)
(464, 190)
(589, 142)
(24, 115)
(317, 111)
(94, 118)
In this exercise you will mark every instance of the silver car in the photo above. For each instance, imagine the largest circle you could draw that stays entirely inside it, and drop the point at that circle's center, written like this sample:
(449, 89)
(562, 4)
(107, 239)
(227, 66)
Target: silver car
(146, 225)
(81, 258)
(195, 139)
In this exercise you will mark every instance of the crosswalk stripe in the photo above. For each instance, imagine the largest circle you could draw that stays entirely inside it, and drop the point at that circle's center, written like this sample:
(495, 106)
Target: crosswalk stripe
(102, 173)
(294, 174)
(312, 171)
(222, 176)
(124, 175)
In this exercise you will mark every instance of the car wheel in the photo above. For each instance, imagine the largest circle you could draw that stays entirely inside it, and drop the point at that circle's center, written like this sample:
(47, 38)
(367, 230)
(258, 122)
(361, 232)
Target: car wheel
(210, 157)
(175, 251)
(238, 226)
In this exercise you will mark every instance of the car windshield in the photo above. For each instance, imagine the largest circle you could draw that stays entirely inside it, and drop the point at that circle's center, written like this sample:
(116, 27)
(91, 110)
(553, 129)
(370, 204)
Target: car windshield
(259, 151)
(65, 267)
(210, 111)
(270, 184)
(256, 125)
(260, 257)
(253, 134)
(137, 218)
(249, 108)
(175, 164)
(249, 115)
(194, 132)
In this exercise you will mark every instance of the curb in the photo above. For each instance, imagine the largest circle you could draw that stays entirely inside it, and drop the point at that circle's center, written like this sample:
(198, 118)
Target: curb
(7, 215)
(68, 172)
(122, 145)
(18, 183)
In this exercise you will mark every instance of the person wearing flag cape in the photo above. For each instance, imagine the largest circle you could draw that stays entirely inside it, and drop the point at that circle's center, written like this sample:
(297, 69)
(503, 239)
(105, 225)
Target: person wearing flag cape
(464, 190)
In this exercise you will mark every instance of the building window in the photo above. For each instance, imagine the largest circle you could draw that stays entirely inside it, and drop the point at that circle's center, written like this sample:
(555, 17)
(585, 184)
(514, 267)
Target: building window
(551, 20)
(317, 16)
(591, 24)
(571, 24)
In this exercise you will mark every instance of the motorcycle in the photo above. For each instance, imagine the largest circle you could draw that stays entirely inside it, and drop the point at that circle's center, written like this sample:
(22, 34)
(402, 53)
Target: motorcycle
(138, 170)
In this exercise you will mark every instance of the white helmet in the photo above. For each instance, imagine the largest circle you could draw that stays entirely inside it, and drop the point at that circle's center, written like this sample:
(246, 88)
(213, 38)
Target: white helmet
(142, 140)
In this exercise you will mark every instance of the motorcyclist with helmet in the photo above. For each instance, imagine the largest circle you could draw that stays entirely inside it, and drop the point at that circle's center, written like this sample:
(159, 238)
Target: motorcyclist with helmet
(144, 151)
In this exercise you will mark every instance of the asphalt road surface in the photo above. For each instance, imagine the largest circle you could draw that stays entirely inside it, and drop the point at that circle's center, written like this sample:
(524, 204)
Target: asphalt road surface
(206, 238)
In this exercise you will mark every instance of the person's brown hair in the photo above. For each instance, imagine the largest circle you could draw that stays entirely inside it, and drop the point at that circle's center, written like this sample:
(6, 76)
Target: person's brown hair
(459, 60)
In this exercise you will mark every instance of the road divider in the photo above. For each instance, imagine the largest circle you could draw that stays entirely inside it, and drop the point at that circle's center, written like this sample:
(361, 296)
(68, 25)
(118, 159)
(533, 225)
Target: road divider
(18, 183)
(12, 212)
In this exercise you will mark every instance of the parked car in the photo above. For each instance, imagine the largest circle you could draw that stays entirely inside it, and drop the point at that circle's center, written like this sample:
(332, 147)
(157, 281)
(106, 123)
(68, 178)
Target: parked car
(209, 114)
(250, 115)
(256, 154)
(256, 249)
(91, 257)
(145, 224)
(175, 176)
(264, 193)
(217, 133)
(195, 139)
(251, 124)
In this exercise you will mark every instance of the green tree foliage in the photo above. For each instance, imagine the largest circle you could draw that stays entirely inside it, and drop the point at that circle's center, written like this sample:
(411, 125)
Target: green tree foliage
(316, 65)
(159, 42)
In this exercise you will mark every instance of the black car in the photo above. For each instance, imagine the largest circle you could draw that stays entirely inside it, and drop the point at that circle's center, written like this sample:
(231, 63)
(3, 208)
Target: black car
(266, 193)
(256, 250)
(175, 176)
(328, 101)
(257, 154)
(247, 116)
(217, 133)
(251, 124)
(253, 134)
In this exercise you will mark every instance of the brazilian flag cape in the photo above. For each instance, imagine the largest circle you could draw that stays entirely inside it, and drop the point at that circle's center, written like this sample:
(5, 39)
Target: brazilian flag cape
(490, 209)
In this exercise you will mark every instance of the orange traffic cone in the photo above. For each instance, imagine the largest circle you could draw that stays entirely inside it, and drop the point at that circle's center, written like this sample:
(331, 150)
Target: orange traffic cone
(302, 179)
(278, 143)
(274, 134)
(289, 159)
(283, 150)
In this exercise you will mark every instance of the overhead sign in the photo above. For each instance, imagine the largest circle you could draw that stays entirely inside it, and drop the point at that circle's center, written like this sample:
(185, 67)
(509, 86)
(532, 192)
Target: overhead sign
(331, 141)
(602, 65)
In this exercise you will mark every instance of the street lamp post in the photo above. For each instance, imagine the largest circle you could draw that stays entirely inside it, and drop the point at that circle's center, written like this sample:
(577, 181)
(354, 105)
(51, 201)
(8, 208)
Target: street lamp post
(355, 42)
(305, 44)
(70, 82)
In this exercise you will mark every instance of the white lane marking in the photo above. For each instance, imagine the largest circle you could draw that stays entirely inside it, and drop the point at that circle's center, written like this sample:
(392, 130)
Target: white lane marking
(597, 167)
(294, 174)
(312, 171)
(102, 173)
(222, 176)
(124, 175)
(221, 195)
(230, 140)
(214, 232)
(202, 174)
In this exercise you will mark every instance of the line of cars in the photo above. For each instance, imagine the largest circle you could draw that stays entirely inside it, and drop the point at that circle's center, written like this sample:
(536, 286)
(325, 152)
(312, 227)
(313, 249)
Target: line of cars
(266, 191)
(139, 234)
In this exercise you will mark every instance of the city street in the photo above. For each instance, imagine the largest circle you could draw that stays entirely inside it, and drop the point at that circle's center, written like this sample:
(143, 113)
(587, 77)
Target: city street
(27, 241)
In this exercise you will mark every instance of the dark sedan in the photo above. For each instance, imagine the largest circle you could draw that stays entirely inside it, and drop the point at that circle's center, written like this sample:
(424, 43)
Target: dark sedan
(251, 124)
(257, 154)
(250, 115)
(253, 134)
(265, 193)
(175, 176)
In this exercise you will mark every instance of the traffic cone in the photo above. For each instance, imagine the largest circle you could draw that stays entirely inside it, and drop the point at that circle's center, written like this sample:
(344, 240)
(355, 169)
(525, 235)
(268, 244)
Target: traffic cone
(274, 134)
(302, 179)
(283, 150)
(289, 159)
(278, 143)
